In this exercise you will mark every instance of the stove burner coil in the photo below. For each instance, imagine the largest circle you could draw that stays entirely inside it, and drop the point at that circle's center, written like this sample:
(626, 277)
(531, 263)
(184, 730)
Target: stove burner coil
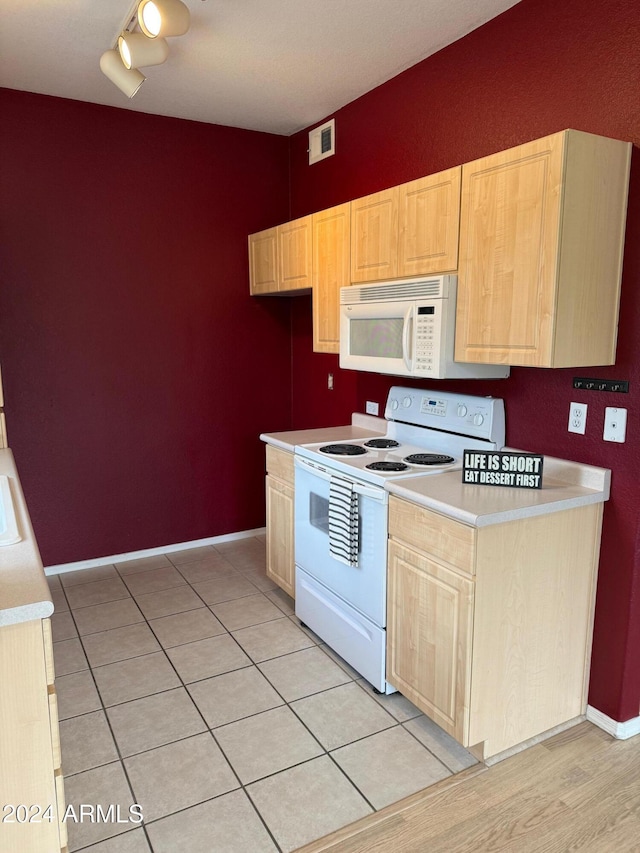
(343, 449)
(428, 459)
(388, 466)
(382, 443)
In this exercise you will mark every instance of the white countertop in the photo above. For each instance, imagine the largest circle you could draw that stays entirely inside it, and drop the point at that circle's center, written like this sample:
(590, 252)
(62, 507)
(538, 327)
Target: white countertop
(24, 592)
(361, 426)
(565, 485)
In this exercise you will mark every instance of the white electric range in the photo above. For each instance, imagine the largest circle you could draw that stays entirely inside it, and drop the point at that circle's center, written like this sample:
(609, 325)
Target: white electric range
(341, 513)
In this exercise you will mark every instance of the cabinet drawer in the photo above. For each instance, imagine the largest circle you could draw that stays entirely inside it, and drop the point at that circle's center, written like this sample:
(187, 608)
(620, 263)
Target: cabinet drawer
(434, 534)
(280, 464)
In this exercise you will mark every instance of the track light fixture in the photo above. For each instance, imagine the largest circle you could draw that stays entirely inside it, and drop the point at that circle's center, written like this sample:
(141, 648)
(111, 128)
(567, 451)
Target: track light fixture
(136, 50)
(163, 17)
(128, 80)
(133, 50)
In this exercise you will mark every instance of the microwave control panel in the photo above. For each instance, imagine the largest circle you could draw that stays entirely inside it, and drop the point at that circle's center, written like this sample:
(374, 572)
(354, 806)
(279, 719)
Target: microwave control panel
(428, 338)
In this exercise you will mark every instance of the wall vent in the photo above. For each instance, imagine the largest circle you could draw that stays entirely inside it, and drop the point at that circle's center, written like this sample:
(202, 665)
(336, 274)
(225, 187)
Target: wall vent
(322, 141)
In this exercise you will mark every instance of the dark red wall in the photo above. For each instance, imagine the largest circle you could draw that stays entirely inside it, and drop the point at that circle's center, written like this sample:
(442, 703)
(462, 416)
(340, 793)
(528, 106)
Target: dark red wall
(128, 340)
(133, 358)
(541, 67)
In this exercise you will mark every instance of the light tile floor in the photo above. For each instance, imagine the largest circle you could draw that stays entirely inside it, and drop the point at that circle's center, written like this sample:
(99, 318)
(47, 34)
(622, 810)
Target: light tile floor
(187, 686)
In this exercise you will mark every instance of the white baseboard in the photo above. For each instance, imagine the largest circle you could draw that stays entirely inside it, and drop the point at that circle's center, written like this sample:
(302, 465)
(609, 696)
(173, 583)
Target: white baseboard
(150, 552)
(621, 731)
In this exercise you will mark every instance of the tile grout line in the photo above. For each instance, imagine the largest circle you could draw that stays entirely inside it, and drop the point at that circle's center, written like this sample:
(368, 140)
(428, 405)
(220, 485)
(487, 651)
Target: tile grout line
(121, 758)
(211, 733)
(116, 746)
(396, 722)
(218, 745)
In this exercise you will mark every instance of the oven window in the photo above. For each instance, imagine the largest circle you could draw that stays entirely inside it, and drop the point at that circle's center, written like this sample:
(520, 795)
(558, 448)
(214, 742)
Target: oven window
(319, 512)
(319, 515)
(381, 336)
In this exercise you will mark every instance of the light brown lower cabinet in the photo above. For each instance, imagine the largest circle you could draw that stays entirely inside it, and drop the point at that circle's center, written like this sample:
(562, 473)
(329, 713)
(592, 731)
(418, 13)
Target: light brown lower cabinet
(279, 498)
(431, 624)
(489, 629)
(31, 785)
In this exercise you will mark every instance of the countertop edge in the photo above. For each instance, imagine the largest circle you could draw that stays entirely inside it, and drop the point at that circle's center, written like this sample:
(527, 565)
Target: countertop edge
(26, 613)
(22, 572)
(275, 442)
(475, 520)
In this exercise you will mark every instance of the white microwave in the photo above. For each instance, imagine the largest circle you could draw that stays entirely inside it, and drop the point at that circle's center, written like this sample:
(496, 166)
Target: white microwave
(406, 328)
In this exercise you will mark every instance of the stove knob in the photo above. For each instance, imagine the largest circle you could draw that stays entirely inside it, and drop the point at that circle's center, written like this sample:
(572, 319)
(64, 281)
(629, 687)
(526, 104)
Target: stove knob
(406, 402)
(462, 410)
(394, 404)
(478, 419)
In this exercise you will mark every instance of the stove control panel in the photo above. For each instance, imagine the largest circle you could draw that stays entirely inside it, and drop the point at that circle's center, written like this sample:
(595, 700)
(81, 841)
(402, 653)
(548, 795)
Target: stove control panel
(462, 414)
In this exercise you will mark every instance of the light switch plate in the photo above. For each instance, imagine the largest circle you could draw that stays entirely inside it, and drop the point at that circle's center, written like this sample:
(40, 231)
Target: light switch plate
(615, 424)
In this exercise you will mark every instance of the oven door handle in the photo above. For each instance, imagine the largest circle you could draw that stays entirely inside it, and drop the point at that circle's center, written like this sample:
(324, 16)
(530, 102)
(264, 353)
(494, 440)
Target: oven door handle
(316, 470)
(407, 337)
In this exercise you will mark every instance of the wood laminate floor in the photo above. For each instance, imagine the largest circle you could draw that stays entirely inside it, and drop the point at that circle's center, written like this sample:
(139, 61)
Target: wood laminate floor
(577, 791)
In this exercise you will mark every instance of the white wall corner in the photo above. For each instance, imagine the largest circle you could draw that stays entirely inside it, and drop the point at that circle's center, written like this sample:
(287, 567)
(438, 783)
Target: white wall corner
(621, 731)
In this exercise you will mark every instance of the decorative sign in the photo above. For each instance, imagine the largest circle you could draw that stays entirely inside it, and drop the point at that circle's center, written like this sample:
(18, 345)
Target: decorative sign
(493, 468)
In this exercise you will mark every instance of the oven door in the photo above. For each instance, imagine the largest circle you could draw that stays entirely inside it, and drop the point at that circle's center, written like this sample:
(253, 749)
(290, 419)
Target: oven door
(362, 586)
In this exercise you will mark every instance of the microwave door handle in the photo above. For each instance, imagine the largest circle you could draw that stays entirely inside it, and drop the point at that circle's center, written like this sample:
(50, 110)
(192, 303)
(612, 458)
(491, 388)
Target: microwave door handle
(407, 338)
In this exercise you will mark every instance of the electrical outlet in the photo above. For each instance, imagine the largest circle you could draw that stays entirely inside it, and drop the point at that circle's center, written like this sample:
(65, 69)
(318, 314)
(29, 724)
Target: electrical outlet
(577, 418)
(330, 381)
(372, 408)
(615, 424)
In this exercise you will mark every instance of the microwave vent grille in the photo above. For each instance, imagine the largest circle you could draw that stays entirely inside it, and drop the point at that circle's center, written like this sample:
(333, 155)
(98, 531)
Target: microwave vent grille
(436, 288)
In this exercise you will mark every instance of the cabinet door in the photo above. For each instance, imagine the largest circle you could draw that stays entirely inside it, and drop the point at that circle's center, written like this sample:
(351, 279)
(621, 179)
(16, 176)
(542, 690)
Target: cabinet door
(29, 741)
(429, 628)
(263, 267)
(429, 219)
(280, 554)
(374, 237)
(294, 255)
(331, 249)
(509, 230)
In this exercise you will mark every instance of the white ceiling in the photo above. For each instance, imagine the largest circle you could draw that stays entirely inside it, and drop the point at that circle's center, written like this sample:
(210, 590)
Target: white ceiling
(271, 65)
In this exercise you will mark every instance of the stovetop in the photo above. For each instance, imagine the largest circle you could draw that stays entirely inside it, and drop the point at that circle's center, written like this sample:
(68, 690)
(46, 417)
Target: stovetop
(439, 424)
(387, 461)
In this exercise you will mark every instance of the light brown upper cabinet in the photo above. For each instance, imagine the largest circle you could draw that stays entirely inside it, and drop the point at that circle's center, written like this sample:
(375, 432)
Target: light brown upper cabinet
(263, 262)
(408, 230)
(280, 258)
(374, 237)
(294, 255)
(541, 243)
(428, 224)
(331, 248)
